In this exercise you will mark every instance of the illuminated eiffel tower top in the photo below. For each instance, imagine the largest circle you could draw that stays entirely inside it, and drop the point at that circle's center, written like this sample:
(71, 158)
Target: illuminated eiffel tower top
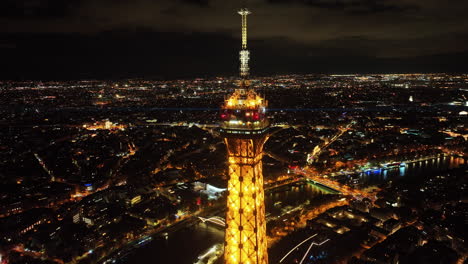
(244, 112)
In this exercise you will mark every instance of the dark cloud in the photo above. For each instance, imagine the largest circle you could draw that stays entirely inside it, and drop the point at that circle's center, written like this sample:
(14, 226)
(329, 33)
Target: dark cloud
(353, 6)
(182, 35)
(197, 2)
(37, 9)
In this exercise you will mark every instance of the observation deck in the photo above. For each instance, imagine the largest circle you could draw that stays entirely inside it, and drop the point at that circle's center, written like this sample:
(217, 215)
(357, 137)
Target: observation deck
(244, 113)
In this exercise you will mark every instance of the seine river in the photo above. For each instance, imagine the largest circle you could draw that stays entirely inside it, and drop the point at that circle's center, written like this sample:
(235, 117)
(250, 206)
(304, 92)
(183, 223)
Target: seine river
(186, 244)
(417, 169)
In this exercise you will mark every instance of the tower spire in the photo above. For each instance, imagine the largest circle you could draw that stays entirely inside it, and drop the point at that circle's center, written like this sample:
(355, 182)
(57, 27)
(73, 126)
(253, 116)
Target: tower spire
(244, 54)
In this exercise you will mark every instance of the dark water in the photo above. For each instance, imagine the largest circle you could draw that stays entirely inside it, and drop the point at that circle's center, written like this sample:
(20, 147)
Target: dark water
(182, 246)
(291, 195)
(185, 245)
(417, 169)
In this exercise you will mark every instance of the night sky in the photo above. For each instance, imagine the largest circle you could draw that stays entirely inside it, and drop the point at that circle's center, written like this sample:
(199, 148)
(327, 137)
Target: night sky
(73, 39)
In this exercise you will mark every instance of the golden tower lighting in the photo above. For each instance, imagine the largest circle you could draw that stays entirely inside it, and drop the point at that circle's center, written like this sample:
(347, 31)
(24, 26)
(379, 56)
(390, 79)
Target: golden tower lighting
(244, 128)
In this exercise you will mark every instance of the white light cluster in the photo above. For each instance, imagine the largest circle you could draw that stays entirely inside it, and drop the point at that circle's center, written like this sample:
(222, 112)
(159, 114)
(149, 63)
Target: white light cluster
(244, 62)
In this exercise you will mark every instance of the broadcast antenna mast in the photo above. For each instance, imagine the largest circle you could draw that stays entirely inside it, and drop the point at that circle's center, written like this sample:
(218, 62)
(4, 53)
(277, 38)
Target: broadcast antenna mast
(244, 54)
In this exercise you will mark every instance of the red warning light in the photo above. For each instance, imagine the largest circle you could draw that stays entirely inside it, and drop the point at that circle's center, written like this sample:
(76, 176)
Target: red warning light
(256, 116)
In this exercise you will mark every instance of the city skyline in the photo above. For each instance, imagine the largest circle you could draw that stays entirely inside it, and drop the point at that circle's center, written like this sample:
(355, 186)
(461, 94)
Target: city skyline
(134, 170)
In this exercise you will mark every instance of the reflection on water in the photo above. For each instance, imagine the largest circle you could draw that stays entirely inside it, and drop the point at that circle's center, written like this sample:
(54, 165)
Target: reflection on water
(292, 195)
(182, 246)
(185, 245)
(402, 171)
(415, 169)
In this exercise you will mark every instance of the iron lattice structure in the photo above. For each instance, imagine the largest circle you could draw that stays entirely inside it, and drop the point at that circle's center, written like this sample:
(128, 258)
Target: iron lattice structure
(245, 238)
(244, 127)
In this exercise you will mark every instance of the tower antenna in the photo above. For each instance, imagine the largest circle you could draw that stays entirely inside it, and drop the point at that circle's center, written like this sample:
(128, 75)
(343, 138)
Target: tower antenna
(244, 54)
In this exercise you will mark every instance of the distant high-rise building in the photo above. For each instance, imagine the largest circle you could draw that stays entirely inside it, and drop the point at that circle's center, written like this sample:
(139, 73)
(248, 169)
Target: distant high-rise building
(244, 127)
